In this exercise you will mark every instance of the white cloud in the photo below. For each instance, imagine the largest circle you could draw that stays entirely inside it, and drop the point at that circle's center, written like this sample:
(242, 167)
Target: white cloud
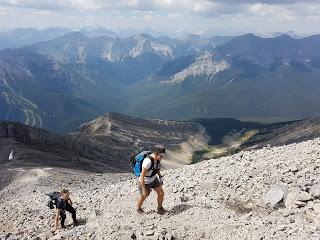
(147, 17)
(199, 7)
(265, 10)
(177, 15)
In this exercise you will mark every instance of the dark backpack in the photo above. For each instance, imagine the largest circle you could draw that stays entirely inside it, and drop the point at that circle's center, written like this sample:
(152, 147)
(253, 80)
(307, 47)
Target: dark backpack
(136, 161)
(53, 199)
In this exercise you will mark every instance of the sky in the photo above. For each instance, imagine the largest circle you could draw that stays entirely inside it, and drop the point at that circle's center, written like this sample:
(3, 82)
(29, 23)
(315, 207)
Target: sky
(219, 17)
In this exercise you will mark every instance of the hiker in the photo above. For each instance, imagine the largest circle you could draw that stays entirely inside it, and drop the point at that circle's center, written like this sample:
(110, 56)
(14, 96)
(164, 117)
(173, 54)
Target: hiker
(63, 204)
(150, 178)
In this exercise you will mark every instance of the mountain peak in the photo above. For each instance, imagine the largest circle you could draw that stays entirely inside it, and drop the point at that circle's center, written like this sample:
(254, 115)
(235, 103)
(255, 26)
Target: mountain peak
(284, 36)
(74, 36)
(247, 36)
(143, 36)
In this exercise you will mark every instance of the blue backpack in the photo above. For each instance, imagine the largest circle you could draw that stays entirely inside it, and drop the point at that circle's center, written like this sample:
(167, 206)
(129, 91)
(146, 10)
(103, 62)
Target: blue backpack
(137, 160)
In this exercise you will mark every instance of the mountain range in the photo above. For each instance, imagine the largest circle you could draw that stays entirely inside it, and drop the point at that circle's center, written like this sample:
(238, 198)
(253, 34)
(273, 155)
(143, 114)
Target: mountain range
(62, 82)
(248, 77)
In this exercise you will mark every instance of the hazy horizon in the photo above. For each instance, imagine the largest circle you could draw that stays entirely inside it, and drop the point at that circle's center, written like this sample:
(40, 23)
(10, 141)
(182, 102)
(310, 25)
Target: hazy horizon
(126, 32)
(205, 17)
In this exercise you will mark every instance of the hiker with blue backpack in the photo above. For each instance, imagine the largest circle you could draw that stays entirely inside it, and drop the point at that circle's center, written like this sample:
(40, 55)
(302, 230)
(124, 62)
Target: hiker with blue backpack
(146, 166)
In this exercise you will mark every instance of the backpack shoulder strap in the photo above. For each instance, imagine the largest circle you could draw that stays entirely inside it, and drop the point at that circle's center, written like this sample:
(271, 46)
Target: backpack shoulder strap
(152, 163)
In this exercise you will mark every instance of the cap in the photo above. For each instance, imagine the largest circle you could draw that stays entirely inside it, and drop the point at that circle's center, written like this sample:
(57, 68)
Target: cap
(159, 149)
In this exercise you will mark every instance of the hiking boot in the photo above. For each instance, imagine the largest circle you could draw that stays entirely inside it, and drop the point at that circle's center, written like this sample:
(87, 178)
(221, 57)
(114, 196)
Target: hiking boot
(76, 223)
(140, 211)
(161, 210)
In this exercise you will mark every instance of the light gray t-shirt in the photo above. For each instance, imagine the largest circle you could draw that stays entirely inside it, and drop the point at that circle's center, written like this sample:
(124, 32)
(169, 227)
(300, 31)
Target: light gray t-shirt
(147, 165)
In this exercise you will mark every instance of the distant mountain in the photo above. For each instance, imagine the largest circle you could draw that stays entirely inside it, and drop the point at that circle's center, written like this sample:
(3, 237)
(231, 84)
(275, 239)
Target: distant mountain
(76, 47)
(220, 40)
(247, 77)
(18, 37)
(65, 81)
(129, 32)
(277, 34)
(98, 32)
(128, 60)
(265, 51)
(123, 60)
(43, 93)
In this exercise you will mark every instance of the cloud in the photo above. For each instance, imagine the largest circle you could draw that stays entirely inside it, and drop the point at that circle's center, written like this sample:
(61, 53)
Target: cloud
(269, 2)
(50, 5)
(265, 10)
(208, 8)
(181, 15)
(140, 4)
(175, 15)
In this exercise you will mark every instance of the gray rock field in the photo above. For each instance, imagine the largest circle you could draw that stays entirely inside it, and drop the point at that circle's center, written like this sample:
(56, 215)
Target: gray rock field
(271, 193)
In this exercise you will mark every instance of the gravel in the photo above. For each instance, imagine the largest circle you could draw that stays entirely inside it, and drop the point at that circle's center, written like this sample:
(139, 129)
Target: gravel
(271, 193)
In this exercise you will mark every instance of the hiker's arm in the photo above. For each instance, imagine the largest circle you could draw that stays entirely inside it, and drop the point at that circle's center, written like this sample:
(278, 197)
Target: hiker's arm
(70, 201)
(56, 219)
(143, 174)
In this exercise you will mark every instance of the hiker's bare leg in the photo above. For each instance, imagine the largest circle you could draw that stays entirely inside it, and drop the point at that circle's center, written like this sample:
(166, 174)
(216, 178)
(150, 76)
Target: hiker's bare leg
(140, 201)
(160, 192)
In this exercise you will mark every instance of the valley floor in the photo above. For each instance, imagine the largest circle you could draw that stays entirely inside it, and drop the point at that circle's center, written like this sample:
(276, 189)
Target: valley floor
(223, 198)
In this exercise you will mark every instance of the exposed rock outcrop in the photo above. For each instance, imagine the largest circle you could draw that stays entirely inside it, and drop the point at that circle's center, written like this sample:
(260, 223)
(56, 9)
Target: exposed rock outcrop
(114, 136)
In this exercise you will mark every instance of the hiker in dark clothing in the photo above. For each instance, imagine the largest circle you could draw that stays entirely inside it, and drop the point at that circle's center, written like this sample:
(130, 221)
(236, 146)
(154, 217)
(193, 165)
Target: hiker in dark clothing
(64, 203)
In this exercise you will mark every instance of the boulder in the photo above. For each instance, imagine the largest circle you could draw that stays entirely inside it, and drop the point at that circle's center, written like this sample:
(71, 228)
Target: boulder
(315, 190)
(149, 233)
(291, 199)
(133, 236)
(274, 196)
(316, 207)
(293, 168)
(304, 196)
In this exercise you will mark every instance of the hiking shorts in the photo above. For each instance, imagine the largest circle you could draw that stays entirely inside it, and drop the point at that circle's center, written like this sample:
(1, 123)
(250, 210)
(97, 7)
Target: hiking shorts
(156, 183)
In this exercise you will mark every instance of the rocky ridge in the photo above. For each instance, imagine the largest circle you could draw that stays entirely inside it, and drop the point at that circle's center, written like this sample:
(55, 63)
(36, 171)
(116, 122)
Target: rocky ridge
(114, 136)
(34, 147)
(102, 145)
(270, 193)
